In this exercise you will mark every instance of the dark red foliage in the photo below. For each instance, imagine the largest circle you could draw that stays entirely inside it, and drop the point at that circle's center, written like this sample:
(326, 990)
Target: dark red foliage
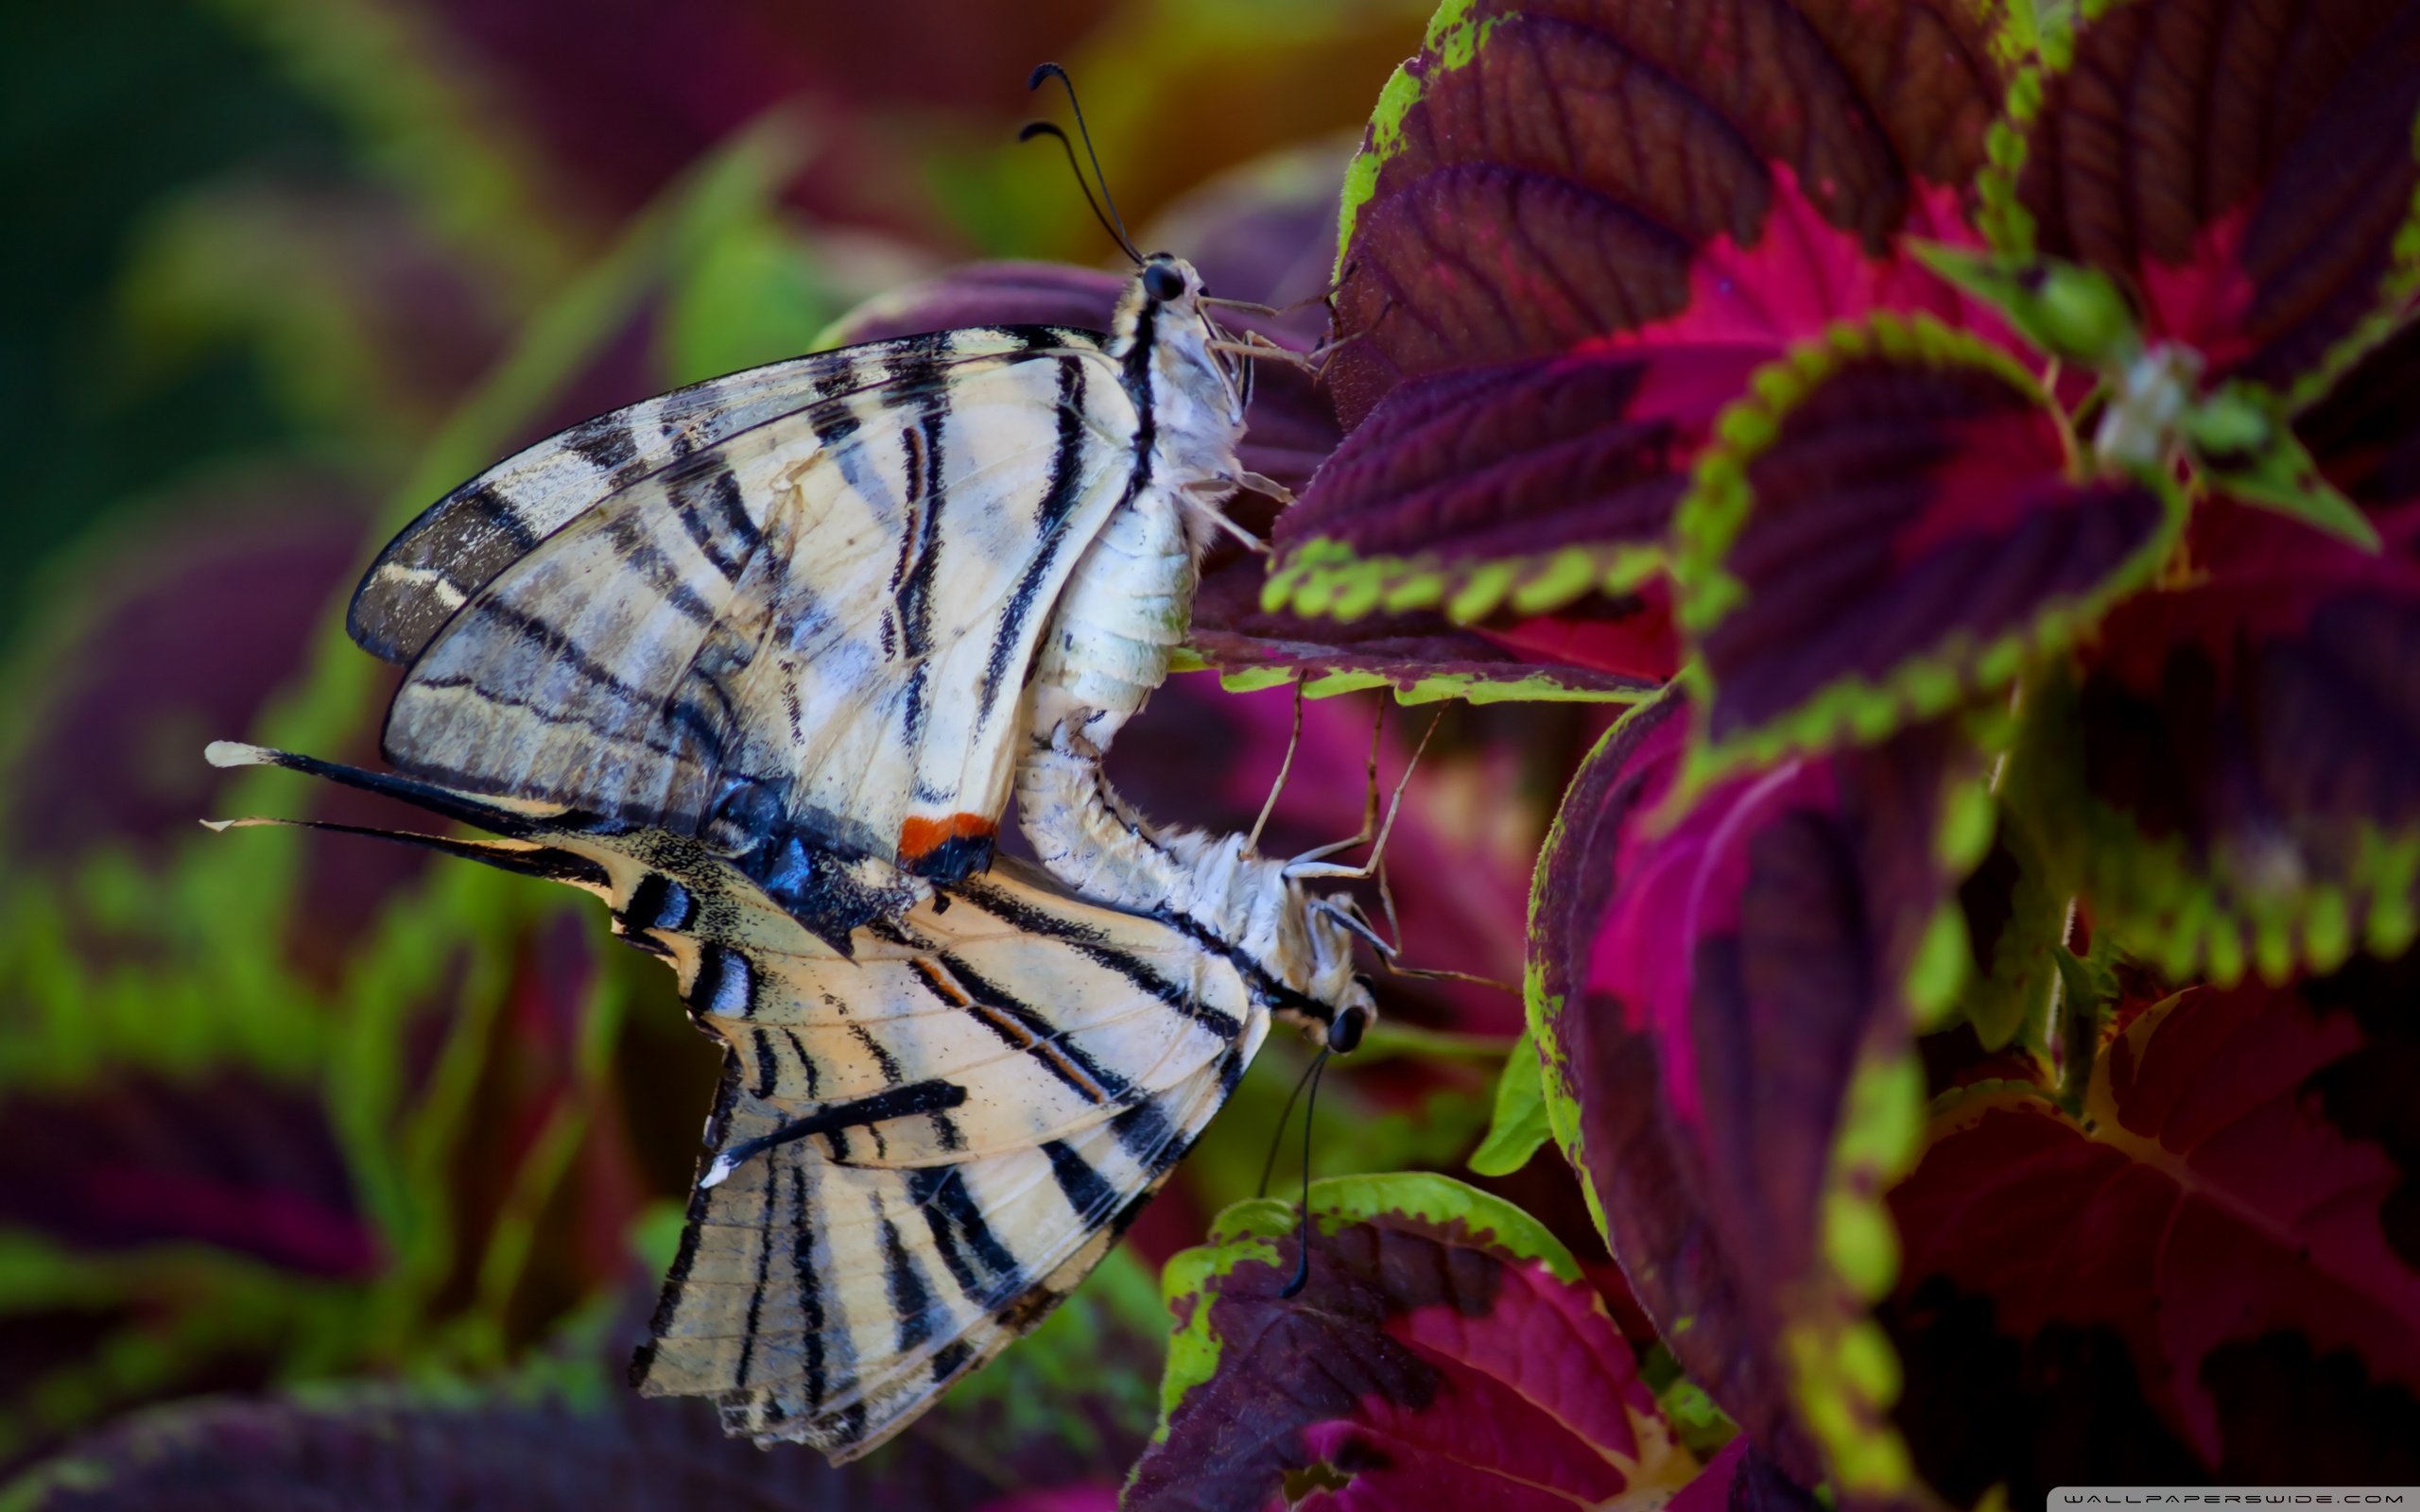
(2216, 1276)
(2242, 168)
(1908, 510)
(1598, 171)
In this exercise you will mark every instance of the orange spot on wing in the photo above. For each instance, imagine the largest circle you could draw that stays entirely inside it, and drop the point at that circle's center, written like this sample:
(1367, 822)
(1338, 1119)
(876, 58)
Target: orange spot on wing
(920, 837)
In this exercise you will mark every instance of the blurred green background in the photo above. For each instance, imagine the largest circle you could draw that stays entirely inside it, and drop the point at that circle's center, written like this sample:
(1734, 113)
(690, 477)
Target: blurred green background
(278, 1108)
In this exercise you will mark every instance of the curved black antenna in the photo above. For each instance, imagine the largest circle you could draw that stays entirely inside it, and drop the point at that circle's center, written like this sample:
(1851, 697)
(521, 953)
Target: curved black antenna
(1035, 129)
(1303, 1267)
(1284, 1115)
(1034, 81)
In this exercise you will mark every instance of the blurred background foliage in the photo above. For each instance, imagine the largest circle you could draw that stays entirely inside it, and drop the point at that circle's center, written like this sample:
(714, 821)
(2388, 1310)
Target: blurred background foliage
(281, 1111)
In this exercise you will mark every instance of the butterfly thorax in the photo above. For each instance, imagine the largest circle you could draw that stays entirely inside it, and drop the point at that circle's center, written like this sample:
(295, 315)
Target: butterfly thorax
(1290, 947)
(1127, 605)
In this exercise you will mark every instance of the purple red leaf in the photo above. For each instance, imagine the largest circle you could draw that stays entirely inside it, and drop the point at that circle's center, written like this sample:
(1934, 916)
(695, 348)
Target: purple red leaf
(2247, 175)
(2215, 1274)
(1533, 482)
(2236, 777)
(1547, 176)
(1445, 1350)
(1892, 529)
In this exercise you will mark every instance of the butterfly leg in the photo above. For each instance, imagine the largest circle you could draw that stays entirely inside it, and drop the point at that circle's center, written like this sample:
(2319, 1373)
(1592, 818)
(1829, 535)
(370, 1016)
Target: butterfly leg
(1312, 862)
(1369, 814)
(1285, 768)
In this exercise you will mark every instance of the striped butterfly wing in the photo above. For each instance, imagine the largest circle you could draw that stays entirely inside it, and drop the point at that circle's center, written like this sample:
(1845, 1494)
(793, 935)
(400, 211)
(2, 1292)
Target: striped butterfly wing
(919, 1148)
(792, 608)
(834, 1283)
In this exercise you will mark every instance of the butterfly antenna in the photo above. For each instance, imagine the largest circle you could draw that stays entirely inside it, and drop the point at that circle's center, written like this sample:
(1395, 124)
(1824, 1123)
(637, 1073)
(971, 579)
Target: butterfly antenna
(1277, 1140)
(1116, 222)
(1302, 1264)
(1035, 129)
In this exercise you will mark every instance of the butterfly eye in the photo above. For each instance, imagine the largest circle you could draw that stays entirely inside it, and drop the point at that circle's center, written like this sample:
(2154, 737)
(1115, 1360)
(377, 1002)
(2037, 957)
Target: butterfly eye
(1344, 1033)
(1162, 282)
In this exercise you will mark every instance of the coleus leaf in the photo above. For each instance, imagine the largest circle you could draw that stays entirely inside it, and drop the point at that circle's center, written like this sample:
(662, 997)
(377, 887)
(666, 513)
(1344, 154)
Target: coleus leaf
(1726, 995)
(1553, 175)
(2015, 916)
(2214, 1273)
(1419, 654)
(492, 1450)
(1446, 1347)
(1525, 485)
(1519, 1126)
(1888, 527)
(2250, 183)
(225, 1158)
(2233, 775)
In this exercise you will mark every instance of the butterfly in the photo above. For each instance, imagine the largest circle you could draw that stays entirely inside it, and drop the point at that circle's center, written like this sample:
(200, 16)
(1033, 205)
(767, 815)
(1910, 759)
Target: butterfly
(809, 609)
(920, 1146)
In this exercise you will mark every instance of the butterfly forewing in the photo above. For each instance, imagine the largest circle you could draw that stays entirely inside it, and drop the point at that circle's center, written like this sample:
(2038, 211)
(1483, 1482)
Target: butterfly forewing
(815, 620)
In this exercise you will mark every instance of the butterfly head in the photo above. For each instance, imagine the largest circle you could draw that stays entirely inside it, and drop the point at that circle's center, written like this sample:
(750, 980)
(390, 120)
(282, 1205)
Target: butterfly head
(1333, 924)
(1170, 346)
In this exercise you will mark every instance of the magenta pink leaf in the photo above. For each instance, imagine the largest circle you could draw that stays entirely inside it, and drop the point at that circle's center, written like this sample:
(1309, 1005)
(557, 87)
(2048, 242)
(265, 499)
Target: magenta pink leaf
(1548, 174)
(1445, 1349)
(2245, 174)
(2216, 1274)
(1716, 982)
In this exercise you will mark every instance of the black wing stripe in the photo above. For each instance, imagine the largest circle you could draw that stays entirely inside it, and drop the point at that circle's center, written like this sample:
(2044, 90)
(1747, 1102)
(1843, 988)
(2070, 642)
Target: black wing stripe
(764, 1273)
(1021, 1026)
(1094, 946)
(1059, 499)
(911, 1300)
(930, 1096)
(810, 1284)
(1087, 1191)
(985, 1273)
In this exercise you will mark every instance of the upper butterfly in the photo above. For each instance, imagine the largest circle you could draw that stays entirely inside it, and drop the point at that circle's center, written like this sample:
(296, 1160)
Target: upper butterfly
(795, 610)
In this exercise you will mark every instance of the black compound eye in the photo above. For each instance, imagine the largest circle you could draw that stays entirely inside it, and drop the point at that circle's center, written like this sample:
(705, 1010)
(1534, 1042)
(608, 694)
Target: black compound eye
(1344, 1031)
(1163, 281)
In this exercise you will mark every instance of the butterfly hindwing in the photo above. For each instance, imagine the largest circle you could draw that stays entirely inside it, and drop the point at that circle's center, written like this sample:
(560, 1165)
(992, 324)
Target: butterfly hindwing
(828, 1303)
(810, 617)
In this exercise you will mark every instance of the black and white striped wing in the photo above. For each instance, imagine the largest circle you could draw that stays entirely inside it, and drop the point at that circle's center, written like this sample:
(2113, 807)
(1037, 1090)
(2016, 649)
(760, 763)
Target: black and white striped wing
(917, 1154)
(920, 1147)
(794, 603)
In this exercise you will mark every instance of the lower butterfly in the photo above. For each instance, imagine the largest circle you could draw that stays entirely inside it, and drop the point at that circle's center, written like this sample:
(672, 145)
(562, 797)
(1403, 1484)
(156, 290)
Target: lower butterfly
(929, 1132)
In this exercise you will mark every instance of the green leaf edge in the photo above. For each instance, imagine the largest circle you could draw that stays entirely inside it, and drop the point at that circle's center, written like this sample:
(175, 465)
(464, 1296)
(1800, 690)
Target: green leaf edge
(2009, 226)
(1852, 709)
(1541, 1009)
(1325, 577)
(1249, 1230)
(1519, 1126)
(1453, 38)
(1535, 685)
(2162, 907)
